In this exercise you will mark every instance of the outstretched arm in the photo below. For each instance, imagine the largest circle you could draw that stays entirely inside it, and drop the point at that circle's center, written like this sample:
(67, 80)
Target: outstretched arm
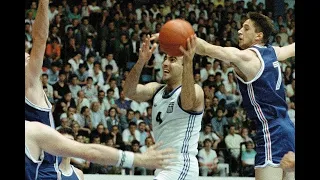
(227, 54)
(192, 96)
(285, 52)
(132, 89)
(40, 31)
(39, 134)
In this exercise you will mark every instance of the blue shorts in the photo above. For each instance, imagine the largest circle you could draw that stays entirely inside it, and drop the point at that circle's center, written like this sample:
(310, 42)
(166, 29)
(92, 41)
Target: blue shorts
(273, 140)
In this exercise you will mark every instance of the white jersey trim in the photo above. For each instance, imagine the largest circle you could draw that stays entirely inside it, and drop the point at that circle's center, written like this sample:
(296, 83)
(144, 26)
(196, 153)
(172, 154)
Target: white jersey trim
(259, 72)
(49, 108)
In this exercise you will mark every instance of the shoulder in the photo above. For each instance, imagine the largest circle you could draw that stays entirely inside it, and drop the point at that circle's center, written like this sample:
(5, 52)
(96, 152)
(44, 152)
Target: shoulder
(79, 173)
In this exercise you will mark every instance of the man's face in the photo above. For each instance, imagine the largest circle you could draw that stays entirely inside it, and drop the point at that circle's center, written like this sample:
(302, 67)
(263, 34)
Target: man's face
(247, 34)
(172, 67)
(135, 147)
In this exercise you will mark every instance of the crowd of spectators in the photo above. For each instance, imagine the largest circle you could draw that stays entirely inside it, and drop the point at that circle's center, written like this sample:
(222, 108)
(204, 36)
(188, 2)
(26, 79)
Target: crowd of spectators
(92, 46)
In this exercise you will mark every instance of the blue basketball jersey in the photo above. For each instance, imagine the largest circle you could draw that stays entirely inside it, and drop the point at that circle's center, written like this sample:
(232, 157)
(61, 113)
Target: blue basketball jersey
(72, 176)
(31, 165)
(49, 166)
(264, 100)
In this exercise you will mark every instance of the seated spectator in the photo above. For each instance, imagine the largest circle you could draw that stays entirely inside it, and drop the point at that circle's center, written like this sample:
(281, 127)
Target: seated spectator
(247, 160)
(209, 134)
(233, 142)
(100, 132)
(116, 137)
(208, 161)
(130, 134)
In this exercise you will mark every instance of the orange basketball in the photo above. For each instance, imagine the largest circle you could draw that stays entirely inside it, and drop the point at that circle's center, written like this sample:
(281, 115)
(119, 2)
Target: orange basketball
(174, 34)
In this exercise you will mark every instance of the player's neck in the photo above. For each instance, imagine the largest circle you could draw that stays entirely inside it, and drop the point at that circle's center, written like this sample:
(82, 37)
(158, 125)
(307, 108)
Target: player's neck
(172, 85)
(65, 166)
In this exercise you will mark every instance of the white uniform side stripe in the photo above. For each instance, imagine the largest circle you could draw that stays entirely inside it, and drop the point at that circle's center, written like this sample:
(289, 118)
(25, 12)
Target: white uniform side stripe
(263, 121)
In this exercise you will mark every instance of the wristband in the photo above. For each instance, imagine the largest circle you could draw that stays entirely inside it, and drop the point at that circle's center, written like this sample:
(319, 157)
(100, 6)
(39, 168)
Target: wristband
(125, 159)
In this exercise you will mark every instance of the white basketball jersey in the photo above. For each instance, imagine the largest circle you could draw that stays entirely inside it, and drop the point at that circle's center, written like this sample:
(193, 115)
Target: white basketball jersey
(177, 129)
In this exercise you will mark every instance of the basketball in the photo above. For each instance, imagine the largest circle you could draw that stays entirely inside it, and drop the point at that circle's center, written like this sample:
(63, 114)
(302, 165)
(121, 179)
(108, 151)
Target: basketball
(174, 34)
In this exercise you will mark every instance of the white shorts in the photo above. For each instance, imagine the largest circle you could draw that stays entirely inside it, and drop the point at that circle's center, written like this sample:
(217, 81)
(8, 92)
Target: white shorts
(186, 168)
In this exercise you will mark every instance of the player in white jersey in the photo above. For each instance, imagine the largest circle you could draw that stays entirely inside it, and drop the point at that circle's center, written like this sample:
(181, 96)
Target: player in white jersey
(177, 108)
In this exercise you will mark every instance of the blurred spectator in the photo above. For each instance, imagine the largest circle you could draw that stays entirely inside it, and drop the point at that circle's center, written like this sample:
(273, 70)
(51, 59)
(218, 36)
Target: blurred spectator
(97, 115)
(112, 119)
(108, 60)
(233, 141)
(88, 36)
(206, 71)
(33, 9)
(288, 76)
(290, 89)
(104, 104)
(84, 121)
(90, 90)
(82, 74)
(247, 160)
(76, 60)
(97, 74)
(53, 51)
(236, 120)
(47, 87)
(123, 103)
(62, 105)
(74, 14)
(129, 134)
(101, 132)
(52, 11)
(219, 122)
(208, 161)
(207, 133)
(61, 87)
(81, 101)
(139, 106)
(116, 137)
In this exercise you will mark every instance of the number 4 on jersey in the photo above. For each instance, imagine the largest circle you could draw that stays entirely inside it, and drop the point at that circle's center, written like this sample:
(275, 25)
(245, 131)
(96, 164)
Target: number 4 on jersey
(158, 118)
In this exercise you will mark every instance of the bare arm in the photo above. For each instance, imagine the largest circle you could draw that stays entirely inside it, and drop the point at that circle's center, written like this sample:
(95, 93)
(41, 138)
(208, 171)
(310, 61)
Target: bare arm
(132, 89)
(97, 153)
(39, 34)
(192, 96)
(227, 54)
(285, 52)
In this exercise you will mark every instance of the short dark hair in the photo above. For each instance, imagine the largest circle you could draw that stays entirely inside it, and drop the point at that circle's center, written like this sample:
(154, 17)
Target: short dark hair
(262, 24)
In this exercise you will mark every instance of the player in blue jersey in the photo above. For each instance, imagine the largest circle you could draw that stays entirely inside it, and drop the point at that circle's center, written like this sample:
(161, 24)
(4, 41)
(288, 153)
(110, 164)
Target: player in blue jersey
(260, 82)
(36, 142)
(67, 170)
(37, 106)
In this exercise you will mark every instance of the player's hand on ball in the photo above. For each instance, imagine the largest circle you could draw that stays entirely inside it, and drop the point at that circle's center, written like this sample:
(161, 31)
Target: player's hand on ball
(154, 158)
(288, 162)
(145, 52)
(154, 37)
(191, 48)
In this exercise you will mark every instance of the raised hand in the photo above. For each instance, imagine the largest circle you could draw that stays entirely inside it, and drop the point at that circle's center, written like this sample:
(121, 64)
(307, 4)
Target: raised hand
(145, 52)
(191, 48)
(154, 37)
(154, 158)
